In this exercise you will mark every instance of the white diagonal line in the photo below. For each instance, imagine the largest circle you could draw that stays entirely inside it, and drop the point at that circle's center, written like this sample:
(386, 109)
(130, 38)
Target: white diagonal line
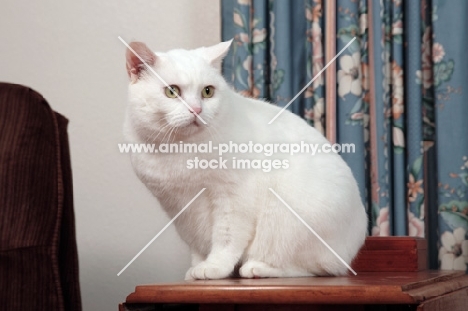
(160, 232)
(161, 79)
(313, 231)
(313, 79)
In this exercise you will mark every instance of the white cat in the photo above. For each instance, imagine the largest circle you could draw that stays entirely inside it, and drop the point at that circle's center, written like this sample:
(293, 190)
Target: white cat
(237, 220)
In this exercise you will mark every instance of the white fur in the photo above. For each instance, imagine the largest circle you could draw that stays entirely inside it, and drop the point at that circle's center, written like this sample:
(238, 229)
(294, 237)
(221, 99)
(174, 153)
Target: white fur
(237, 220)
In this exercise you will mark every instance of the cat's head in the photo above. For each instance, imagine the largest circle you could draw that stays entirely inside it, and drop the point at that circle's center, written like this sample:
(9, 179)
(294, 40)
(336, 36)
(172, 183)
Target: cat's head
(178, 91)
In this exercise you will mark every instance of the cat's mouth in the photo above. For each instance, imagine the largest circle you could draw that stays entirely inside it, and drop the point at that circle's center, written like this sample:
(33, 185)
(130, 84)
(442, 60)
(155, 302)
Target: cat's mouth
(191, 123)
(184, 122)
(194, 121)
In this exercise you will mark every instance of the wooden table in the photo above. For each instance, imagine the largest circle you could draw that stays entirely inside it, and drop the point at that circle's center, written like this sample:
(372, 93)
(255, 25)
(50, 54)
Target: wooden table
(421, 290)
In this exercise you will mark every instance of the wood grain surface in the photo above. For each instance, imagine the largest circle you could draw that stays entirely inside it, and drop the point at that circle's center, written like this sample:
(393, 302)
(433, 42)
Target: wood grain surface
(365, 288)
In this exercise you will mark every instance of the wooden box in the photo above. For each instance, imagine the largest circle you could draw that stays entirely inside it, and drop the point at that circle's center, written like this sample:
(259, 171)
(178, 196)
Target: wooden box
(392, 254)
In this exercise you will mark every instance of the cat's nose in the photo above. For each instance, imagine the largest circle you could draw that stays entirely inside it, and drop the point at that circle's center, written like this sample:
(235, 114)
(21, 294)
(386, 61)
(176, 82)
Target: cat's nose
(196, 109)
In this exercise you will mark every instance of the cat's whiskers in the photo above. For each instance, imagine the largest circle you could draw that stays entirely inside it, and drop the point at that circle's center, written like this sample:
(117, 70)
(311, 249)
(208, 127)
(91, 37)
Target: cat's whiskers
(167, 132)
(173, 112)
(160, 126)
(216, 136)
(170, 138)
(156, 129)
(160, 131)
(170, 135)
(175, 133)
(213, 134)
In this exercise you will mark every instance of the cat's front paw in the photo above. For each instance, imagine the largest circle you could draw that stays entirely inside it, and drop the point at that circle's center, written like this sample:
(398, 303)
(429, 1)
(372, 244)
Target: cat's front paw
(208, 270)
(188, 275)
(256, 269)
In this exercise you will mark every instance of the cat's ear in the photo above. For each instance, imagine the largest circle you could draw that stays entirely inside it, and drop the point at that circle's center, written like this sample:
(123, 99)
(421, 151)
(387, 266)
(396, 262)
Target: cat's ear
(135, 63)
(215, 54)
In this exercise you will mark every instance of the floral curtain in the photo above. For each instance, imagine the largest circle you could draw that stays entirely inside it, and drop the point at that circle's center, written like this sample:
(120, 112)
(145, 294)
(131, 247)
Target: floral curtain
(396, 92)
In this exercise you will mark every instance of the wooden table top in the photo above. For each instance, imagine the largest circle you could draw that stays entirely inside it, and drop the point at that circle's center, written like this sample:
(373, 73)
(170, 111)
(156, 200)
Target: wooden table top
(366, 287)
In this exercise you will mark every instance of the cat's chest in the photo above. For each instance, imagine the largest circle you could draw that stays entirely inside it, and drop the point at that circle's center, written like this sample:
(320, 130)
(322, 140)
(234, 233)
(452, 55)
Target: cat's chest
(174, 170)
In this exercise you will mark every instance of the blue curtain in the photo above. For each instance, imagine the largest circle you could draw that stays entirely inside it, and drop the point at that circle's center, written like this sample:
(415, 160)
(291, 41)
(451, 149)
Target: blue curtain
(396, 92)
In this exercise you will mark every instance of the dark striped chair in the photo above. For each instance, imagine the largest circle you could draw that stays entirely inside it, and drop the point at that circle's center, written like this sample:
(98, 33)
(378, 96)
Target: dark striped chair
(38, 255)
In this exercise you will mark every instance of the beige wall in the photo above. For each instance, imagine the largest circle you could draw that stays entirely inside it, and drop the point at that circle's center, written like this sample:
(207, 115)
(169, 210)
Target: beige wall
(69, 52)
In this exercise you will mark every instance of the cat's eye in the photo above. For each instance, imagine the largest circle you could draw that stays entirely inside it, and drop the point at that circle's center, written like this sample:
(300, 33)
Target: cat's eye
(208, 91)
(172, 91)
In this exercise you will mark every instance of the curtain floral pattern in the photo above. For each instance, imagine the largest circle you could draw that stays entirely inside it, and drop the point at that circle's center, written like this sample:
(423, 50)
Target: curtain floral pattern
(399, 98)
